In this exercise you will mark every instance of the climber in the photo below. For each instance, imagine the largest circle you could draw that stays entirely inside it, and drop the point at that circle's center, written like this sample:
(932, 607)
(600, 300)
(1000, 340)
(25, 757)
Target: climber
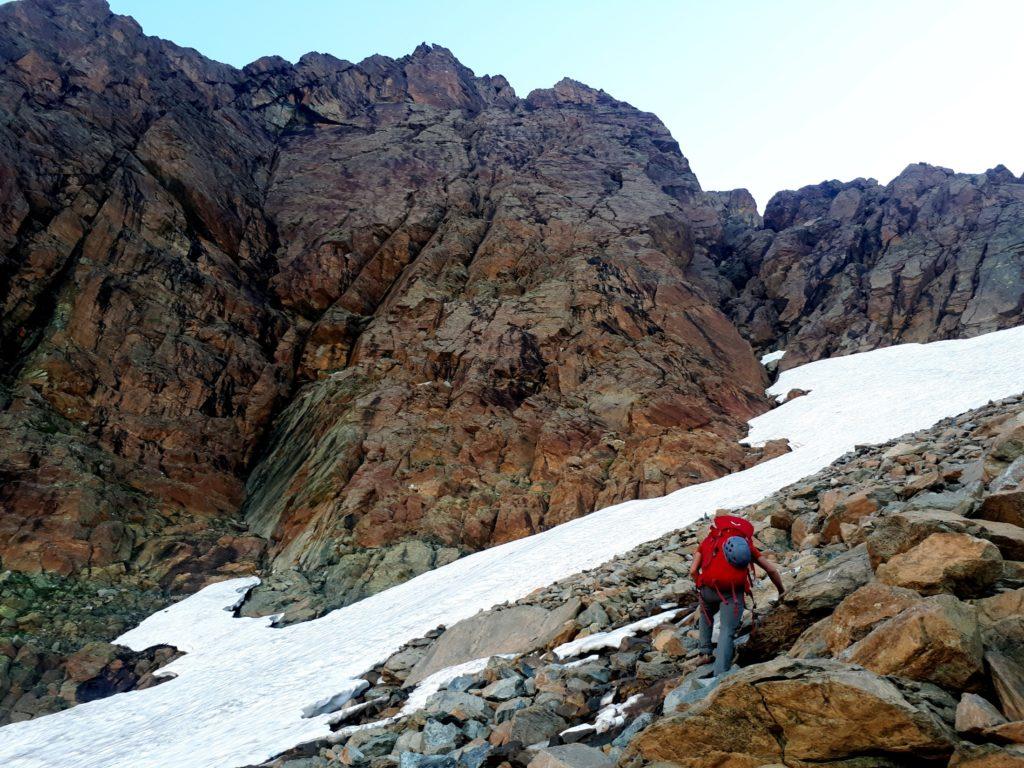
(721, 570)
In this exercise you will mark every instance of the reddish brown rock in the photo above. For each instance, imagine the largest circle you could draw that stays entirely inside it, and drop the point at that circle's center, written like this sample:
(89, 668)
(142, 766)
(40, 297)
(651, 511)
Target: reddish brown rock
(847, 267)
(1007, 447)
(945, 562)
(87, 662)
(859, 613)
(481, 317)
(1005, 605)
(846, 509)
(798, 713)
(1004, 507)
(357, 305)
(1006, 733)
(936, 639)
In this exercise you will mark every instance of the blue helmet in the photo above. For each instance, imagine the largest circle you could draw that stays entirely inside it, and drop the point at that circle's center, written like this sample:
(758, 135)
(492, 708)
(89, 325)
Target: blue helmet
(737, 552)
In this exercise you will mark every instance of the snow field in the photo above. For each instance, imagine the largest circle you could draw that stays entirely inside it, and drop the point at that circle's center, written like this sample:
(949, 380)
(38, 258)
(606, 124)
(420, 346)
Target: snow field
(239, 693)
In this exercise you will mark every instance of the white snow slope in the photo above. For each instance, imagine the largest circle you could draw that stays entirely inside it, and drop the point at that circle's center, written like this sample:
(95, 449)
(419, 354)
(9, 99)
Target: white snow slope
(242, 686)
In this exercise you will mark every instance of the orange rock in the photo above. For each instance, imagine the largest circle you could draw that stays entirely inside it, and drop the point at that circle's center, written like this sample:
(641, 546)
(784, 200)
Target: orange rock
(945, 562)
(861, 611)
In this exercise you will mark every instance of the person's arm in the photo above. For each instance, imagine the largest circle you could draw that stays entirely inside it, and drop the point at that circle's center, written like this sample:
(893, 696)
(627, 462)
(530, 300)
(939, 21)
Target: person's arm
(773, 573)
(695, 566)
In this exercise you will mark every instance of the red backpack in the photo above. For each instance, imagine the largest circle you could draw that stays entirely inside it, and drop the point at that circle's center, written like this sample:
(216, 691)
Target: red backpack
(716, 571)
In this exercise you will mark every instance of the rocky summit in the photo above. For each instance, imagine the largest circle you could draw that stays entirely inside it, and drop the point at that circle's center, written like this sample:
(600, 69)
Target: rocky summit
(841, 268)
(339, 324)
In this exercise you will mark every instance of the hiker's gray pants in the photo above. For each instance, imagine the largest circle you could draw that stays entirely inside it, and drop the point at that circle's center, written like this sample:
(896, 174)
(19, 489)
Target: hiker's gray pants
(731, 612)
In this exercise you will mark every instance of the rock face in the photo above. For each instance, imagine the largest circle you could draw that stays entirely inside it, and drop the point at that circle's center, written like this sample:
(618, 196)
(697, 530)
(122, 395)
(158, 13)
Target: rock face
(353, 304)
(507, 326)
(303, 315)
(847, 267)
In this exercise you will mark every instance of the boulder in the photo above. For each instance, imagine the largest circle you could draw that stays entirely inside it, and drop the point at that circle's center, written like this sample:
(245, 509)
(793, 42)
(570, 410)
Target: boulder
(1005, 605)
(1007, 733)
(1008, 680)
(945, 562)
(935, 640)
(473, 755)
(1004, 507)
(777, 631)
(399, 664)
(812, 643)
(439, 738)
(969, 755)
(87, 662)
(373, 742)
(1005, 449)
(1005, 637)
(517, 629)
(848, 510)
(415, 760)
(1007, 536)
(593, 615)
(667, 641)
(1011, 478)
(823, 588)
(688, 692)
(506, 709)
(503, 689)
(802, 711)
(815, 593)
(631, 730)
(803, 527)
(1013, 571)
(975, 714)
(534, 724)
(897, 532)
(571, 756)
(858, 614)
(1001, 618)
(351, 755)
(459, 705)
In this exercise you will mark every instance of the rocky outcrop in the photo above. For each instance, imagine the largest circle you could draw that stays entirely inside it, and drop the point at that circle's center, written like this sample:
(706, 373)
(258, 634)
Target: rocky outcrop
(353, 305)
(519, 359)
(35, 681)
(345, 307)
(847, 267)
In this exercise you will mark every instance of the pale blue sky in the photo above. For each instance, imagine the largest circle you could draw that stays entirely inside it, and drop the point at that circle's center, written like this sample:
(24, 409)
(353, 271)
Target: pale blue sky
(763, 95)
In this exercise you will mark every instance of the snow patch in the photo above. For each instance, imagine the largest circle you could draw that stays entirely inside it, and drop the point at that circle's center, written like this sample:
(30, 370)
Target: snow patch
(435, 682)
(242, 685)
(772, 357)
(612, 638)
(337, 701)
(614, 715)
